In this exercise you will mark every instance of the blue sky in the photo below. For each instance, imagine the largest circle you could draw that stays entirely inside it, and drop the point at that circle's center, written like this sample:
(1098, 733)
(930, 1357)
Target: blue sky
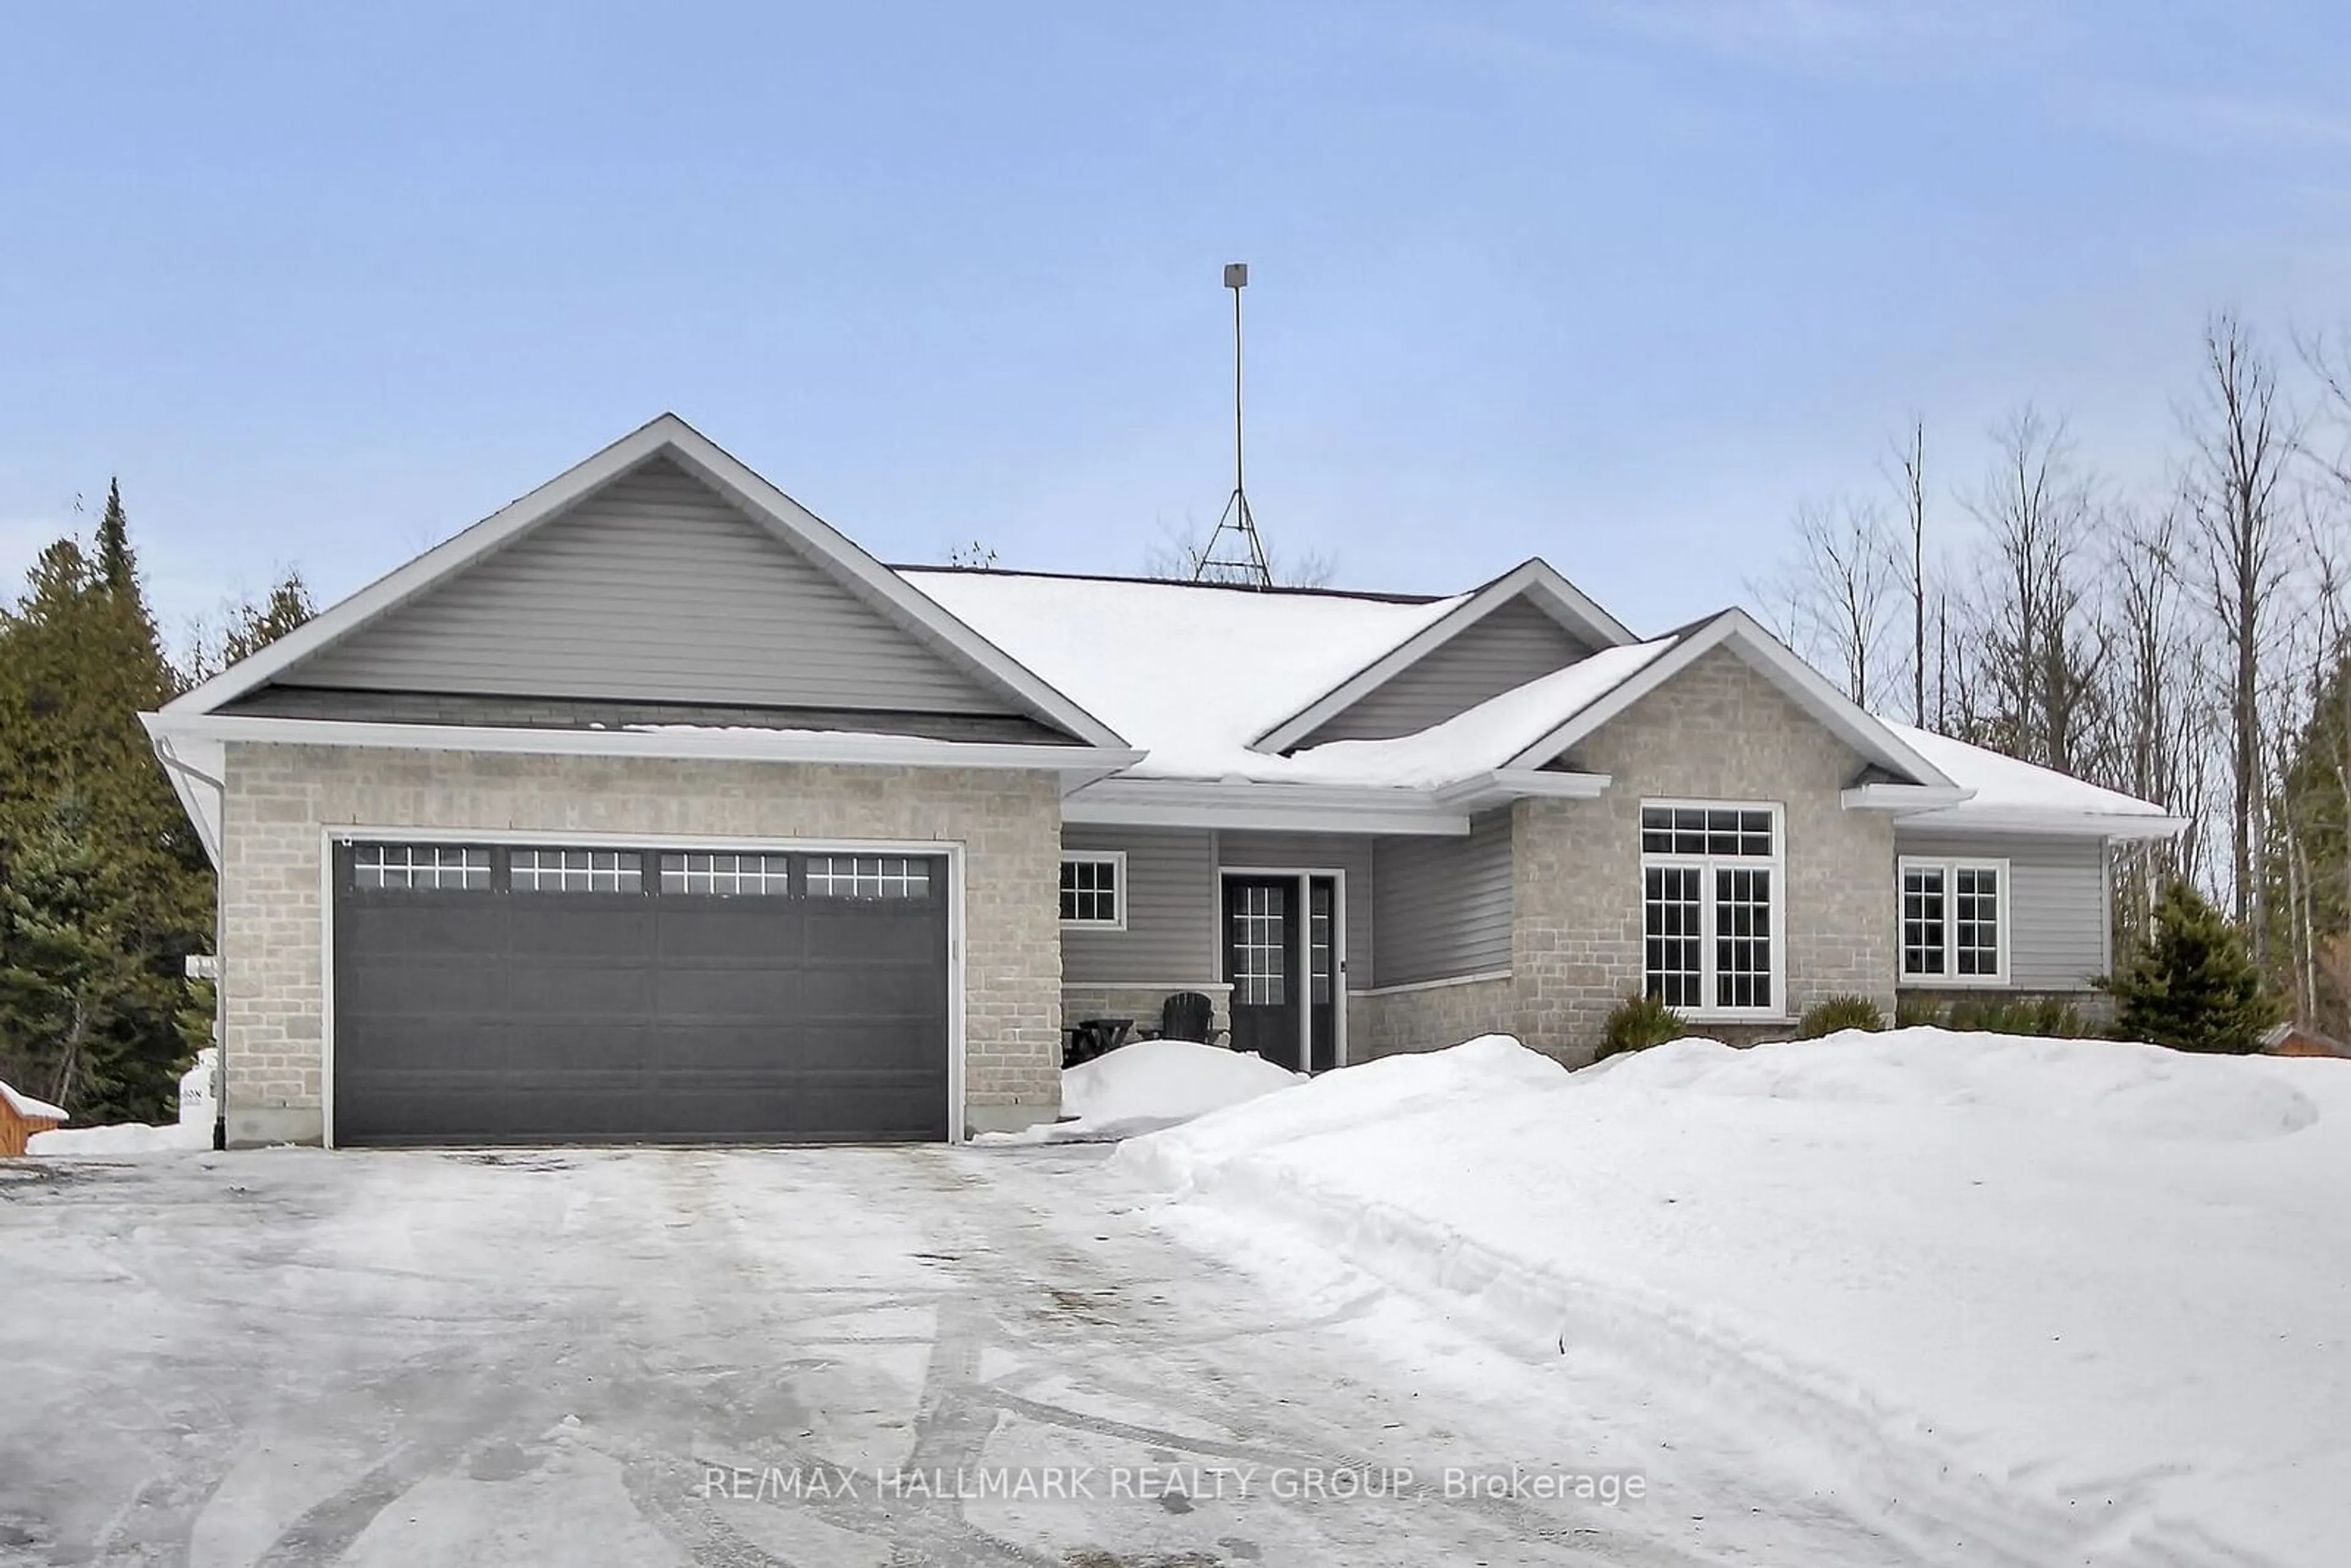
(1614, 283)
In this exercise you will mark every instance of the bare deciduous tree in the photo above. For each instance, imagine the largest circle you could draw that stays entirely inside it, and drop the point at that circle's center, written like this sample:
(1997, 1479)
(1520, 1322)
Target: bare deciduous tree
(2040, 652)
(1832, 596)
(2244, 438)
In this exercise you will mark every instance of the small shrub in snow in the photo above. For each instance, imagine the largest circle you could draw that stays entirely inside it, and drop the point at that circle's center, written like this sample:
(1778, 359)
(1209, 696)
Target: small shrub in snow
(2052, 1018)
(1839, 1013)
(1916, 1012)
(2193, 988)
(1638, 1023)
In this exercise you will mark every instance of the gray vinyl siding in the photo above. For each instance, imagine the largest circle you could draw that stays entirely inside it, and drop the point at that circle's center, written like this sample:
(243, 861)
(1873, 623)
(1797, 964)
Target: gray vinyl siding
(1173, 908)
(2057, 902)
(1349, 853)
(656, 589)
(1511, 645)
(1442, 906)
(1171, 912)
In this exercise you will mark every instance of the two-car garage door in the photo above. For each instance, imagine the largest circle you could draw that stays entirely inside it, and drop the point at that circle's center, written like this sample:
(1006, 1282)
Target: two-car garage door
(487, 993)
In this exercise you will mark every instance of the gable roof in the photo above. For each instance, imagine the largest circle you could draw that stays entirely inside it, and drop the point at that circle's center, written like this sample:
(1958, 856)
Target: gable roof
(669, 437)
(1535, 580)
(1740, 632)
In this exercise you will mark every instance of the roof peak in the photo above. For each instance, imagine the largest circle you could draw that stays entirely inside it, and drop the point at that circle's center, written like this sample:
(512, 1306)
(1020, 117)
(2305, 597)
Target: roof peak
(1367, 595)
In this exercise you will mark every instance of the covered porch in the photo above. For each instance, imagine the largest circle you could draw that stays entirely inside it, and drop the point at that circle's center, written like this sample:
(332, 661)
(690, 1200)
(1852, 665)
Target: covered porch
(1308, 945)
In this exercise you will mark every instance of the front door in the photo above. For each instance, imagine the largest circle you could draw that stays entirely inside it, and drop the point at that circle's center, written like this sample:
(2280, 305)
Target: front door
(1281, 956)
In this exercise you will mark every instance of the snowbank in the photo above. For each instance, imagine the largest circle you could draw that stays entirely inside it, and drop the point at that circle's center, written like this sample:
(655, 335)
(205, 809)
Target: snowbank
(2074, 1301)
(1151, 1085)
(31, 1109)
(121, 1138)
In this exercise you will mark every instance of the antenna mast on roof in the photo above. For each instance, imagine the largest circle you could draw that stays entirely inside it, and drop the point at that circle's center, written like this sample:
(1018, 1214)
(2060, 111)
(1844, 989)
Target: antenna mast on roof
(1246, 563)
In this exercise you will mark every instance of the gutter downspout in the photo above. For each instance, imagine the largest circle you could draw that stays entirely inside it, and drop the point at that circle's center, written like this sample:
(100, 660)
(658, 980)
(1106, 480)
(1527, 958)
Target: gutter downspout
(170, 760)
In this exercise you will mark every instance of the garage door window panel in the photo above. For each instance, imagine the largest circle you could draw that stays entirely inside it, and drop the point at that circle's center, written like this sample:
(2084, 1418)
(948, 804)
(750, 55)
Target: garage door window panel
(420, 868)
(576, 870)
(868, 877)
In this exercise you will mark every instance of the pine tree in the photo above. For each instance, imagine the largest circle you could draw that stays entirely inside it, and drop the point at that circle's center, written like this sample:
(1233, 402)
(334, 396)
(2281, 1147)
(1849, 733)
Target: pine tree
(79, 661)
(117, 569)
(2194, 987)
(79, 1002)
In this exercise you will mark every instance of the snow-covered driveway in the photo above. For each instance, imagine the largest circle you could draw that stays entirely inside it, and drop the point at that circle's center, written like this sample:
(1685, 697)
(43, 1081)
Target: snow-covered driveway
(630, 1356)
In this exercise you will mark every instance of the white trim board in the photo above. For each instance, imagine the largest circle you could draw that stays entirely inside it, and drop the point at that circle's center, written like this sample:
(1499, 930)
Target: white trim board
(331, 834)
(665, 435)
(1483, 978)
(1535, 580)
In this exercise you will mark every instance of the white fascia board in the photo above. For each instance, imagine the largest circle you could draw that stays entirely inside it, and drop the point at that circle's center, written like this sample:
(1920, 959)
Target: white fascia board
(2044, 823)
(1275, 808)
(845, 747)
(774, 509)
(1502, 785)
(1902, 797)
(1536, 578)
(1803, 685)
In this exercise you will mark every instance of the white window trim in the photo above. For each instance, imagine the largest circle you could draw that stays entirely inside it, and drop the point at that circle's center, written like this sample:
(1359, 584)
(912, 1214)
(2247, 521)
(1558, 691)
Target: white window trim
(1777, 863)
(1116, 859)
(1950, 980)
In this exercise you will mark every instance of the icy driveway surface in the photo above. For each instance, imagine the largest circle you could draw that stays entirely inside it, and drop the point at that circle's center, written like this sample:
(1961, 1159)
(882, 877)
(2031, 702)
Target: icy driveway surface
(292, 1357)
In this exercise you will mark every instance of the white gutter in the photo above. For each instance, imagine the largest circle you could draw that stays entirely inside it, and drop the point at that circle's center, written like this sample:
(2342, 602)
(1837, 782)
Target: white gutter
(1903, 797)
(679, 742)
(1500, 785)
(1294, 808)
(2042, 819)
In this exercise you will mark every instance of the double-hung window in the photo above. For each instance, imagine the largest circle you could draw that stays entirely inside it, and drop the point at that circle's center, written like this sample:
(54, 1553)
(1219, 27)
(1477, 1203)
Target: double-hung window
(1093, 890)
(1710, 907)
(1954, 921)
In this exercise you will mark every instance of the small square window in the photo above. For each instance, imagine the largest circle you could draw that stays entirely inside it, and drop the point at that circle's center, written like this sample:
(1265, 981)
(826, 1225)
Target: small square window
(1093, 890)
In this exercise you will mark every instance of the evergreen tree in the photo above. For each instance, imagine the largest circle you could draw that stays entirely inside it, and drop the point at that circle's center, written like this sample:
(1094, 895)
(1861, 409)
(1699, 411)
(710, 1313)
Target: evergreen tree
(2194, 987)
(117, 569)
(79, 661)
(78, 999)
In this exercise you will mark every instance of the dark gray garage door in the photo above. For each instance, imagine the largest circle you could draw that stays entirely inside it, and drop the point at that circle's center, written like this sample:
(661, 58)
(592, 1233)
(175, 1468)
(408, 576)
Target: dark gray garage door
(488, 994)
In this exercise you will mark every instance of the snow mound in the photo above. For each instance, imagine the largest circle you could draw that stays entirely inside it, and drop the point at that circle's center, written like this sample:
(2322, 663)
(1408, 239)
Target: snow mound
(1150, 1084)
(31, 1109)
(120, 1138)
(1490, 1066)
(2053, 1300)
(2113, 1087)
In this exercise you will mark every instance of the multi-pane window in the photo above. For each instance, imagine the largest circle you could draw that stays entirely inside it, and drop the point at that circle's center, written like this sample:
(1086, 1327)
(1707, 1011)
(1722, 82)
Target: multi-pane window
(1709, 901)
(434, 868)
(1953, 927)
(1674, 929)
(1093, 890)
(867, 876)
(1926, 919)
(1261, 946)
(727, 874)
(576, 870)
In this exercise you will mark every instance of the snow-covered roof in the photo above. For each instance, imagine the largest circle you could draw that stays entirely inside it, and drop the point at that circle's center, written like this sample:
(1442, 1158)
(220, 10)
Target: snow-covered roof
(2005, 793)
(1193, 674)
(32, 1110)
(1189, 673)
(1481, 739)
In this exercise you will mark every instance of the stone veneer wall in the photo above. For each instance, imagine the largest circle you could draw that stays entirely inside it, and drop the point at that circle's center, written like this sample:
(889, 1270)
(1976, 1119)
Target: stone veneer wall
(1717, 731)
(278, 798)
(1430, 1017)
